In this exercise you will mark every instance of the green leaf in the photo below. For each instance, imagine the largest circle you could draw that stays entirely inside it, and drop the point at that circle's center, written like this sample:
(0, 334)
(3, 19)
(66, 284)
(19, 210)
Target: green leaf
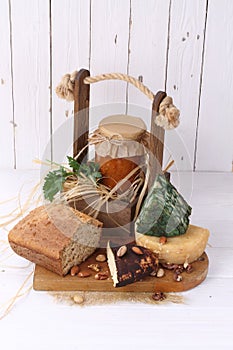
(73, 164)
(54, 181)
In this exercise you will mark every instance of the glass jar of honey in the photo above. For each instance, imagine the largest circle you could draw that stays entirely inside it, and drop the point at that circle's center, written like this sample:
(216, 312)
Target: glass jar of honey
(121, 149)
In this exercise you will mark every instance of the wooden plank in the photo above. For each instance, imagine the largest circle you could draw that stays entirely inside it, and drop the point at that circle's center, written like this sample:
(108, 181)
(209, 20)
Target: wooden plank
(109, 53)
(6, 99)
(214, 137)
(70, 51)
(183, 77)
(81, 114)
(47, 280)
(147, 52)
(30, 48)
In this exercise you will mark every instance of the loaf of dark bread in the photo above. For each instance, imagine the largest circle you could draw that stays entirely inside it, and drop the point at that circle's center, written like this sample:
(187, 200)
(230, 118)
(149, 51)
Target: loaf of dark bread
(56, 237)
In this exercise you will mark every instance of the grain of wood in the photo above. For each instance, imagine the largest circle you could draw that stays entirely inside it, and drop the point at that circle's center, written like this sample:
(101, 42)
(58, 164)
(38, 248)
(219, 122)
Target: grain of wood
(215, 141)
(109, 53)
(30, 49)
(7, 153)
(47, 280)
(70, 52)
(183, 77)
(147, 52)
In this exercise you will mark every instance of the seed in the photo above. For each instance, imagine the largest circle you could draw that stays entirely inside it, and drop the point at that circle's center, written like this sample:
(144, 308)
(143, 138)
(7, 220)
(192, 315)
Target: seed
(100, 258)
(137, 250)
(169, 266)
(121, 251)
(163, 240)
(74, 270)
(201, 258)
(94, 267)
(101, 275)
(178, 269)
(78, 299)
(177, 278)
(189, 268)
(159, 296)
(160, 273)
(83, 274)
(153, 273)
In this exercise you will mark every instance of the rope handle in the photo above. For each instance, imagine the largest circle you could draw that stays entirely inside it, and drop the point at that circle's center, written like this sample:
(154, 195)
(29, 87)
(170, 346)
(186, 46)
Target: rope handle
(168, 116)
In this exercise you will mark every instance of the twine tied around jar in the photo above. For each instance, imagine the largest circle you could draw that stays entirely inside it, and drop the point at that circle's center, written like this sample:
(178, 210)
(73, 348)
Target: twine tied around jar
(167, 118)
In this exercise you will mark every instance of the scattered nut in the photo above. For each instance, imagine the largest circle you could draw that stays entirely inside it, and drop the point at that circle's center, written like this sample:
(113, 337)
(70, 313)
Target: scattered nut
(100, 258)
(83, 274)
(201, 258)
(94, 267)
(121, 251)
(78, 299)
(159, 296)
(189, 268)
(185, 264)
(163, 240)
(178, 269)
(177, 278)
(137, 250)
(160, 273)
(153, 273)
(74, 270)
(168, 266)
(101, 275)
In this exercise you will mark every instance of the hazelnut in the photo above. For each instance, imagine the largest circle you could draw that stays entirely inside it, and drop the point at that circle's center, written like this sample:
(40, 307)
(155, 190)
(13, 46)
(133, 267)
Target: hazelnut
(78, 299)
(163, 240)
(101, 258)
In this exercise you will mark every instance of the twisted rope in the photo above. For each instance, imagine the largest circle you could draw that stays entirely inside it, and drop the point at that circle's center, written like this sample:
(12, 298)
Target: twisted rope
(168, 116)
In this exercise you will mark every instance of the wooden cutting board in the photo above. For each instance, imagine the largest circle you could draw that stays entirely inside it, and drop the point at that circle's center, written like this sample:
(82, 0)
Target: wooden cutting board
(48, 281)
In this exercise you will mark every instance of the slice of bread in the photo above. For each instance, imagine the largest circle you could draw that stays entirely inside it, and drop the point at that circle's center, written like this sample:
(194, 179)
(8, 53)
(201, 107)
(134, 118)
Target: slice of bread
(56, 237)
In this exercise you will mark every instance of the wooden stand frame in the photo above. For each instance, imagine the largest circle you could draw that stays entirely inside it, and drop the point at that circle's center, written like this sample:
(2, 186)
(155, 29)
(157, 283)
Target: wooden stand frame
(81, 124)
(47, 280)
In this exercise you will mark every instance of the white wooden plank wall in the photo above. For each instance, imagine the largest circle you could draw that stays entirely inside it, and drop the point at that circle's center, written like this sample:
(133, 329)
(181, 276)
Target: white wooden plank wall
(183, 46)
(30, 61)
(7, 151)
(70, 41)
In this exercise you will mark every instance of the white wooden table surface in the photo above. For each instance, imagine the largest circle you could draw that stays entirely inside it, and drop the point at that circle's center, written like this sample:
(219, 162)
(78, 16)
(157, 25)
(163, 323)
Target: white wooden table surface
(203, 321)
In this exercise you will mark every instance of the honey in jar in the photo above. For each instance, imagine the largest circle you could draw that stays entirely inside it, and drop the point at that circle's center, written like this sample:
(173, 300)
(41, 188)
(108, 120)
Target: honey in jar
(121, 149)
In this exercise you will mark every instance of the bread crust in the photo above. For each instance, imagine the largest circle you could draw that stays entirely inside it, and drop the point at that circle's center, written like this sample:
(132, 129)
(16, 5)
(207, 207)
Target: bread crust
(46, 232)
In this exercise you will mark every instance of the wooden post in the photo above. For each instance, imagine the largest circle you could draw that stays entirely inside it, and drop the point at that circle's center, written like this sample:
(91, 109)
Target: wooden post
(156, 139)
(81, 114)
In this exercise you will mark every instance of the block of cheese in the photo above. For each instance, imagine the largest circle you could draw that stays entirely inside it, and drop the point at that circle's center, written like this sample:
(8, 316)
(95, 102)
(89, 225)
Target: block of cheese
(179, 249)
(56, 237)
